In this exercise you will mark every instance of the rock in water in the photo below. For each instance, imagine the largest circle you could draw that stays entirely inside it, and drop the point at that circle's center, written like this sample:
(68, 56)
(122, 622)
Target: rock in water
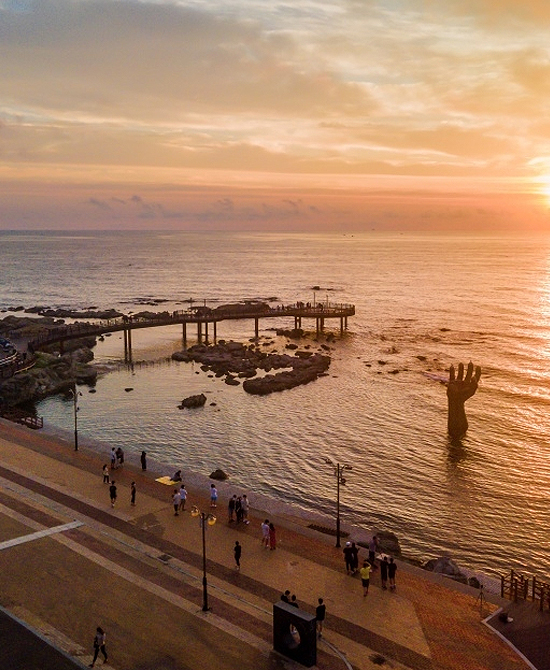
(193, 401)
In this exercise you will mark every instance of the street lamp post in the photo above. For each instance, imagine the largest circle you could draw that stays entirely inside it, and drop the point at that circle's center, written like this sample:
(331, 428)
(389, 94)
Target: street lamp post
(75, 395)
(209, 519)
(340, 480)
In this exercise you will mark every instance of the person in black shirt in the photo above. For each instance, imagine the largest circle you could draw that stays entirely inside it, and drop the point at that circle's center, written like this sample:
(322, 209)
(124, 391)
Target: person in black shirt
(348, 557)
(320, 613)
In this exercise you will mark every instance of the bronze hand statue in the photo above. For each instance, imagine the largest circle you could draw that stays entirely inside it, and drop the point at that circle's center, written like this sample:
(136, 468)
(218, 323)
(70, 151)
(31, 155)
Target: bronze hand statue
(460, 389)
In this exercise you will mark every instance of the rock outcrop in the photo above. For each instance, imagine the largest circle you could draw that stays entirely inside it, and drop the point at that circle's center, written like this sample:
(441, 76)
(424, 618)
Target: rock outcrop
(303, 371)
(51, 375)
(233, 359)
(446, 566)
(219, 475)
(193, 401)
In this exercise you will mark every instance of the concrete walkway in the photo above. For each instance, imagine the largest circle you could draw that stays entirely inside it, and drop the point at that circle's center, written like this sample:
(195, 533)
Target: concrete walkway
(137, 571)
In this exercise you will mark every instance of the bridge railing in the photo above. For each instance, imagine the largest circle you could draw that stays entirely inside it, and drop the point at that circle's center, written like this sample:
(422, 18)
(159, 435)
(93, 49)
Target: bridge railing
(84, 329)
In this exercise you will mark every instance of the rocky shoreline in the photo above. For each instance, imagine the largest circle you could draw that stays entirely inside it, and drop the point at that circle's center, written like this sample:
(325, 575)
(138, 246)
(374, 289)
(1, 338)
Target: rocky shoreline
(54, 370)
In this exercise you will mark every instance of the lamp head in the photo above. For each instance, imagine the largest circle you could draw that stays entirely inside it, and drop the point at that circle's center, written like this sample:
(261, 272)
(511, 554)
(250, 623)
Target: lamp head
(195, 511)
(210, 519)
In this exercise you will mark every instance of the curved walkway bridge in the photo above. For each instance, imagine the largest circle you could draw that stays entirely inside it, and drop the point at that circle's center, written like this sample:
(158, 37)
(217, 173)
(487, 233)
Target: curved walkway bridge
(203, 317)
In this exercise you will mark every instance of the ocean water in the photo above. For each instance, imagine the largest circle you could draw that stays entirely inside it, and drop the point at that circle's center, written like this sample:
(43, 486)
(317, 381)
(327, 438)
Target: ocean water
(422, 303)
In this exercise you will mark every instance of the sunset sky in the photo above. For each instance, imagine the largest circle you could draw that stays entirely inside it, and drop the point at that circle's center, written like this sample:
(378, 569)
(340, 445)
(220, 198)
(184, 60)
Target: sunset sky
(305, 115)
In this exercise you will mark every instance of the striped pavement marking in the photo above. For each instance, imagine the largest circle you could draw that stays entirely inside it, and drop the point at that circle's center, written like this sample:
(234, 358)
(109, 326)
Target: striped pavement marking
(39, 534)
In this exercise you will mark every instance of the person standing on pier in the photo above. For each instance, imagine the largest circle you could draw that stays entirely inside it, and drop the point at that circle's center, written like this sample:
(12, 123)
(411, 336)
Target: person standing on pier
(231, 508)
(354, 558)
(183, 497)
(213, 496)
(320, 613)
(143, 459)
(133, 494)
(237, 551)
(120, 456)
(265, 533)
(112, 493)
(99, 646)
(392, 569)
(384, 565)
(176, 499)
(348, 557)
(272, 537)
(365, 577)
(245, 506)
(239, 509)
(106, 478)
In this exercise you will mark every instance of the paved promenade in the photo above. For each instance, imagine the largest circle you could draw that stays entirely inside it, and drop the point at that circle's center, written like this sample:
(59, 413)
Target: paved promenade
(70, 562)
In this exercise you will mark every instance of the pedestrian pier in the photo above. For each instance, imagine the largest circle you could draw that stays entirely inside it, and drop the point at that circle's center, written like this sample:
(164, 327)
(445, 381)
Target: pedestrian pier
(206, 320)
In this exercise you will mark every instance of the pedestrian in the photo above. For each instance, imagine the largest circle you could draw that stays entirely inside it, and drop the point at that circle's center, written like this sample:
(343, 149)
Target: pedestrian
(245, 506)
(365, 577)
(99, 645)
(143, 460)
(265, 533)
(392, 569)
(294, 603)
(113, 458)
(133, 494)
(320, 613)
(348, 557)
(176, 499)
(239, 509)
(231, 508)
(354, 558)
(120, 457)
(286, 596)
(237, 552)
(106, 474)
(373, 548)
(112, 492)
(183, 497)
(384, 565)
(272, 537)
(213, 495)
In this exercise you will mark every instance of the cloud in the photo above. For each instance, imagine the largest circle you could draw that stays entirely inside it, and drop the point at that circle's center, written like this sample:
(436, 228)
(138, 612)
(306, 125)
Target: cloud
(135, 60)
(137, 92)
(99, 203)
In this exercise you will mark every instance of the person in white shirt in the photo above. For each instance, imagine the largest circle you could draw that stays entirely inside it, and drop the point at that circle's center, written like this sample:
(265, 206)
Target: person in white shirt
(265, 533)
(183, 497)
(176, 499)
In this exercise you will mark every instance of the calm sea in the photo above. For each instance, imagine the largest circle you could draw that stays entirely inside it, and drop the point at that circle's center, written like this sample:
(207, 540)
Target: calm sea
(422, 302)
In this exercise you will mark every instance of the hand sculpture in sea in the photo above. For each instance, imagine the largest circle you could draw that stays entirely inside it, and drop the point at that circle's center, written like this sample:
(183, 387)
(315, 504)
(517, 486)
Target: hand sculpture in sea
(460, 389)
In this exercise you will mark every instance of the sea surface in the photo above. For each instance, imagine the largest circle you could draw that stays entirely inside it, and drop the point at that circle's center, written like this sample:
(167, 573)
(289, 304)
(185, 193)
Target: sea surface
(423, 302)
